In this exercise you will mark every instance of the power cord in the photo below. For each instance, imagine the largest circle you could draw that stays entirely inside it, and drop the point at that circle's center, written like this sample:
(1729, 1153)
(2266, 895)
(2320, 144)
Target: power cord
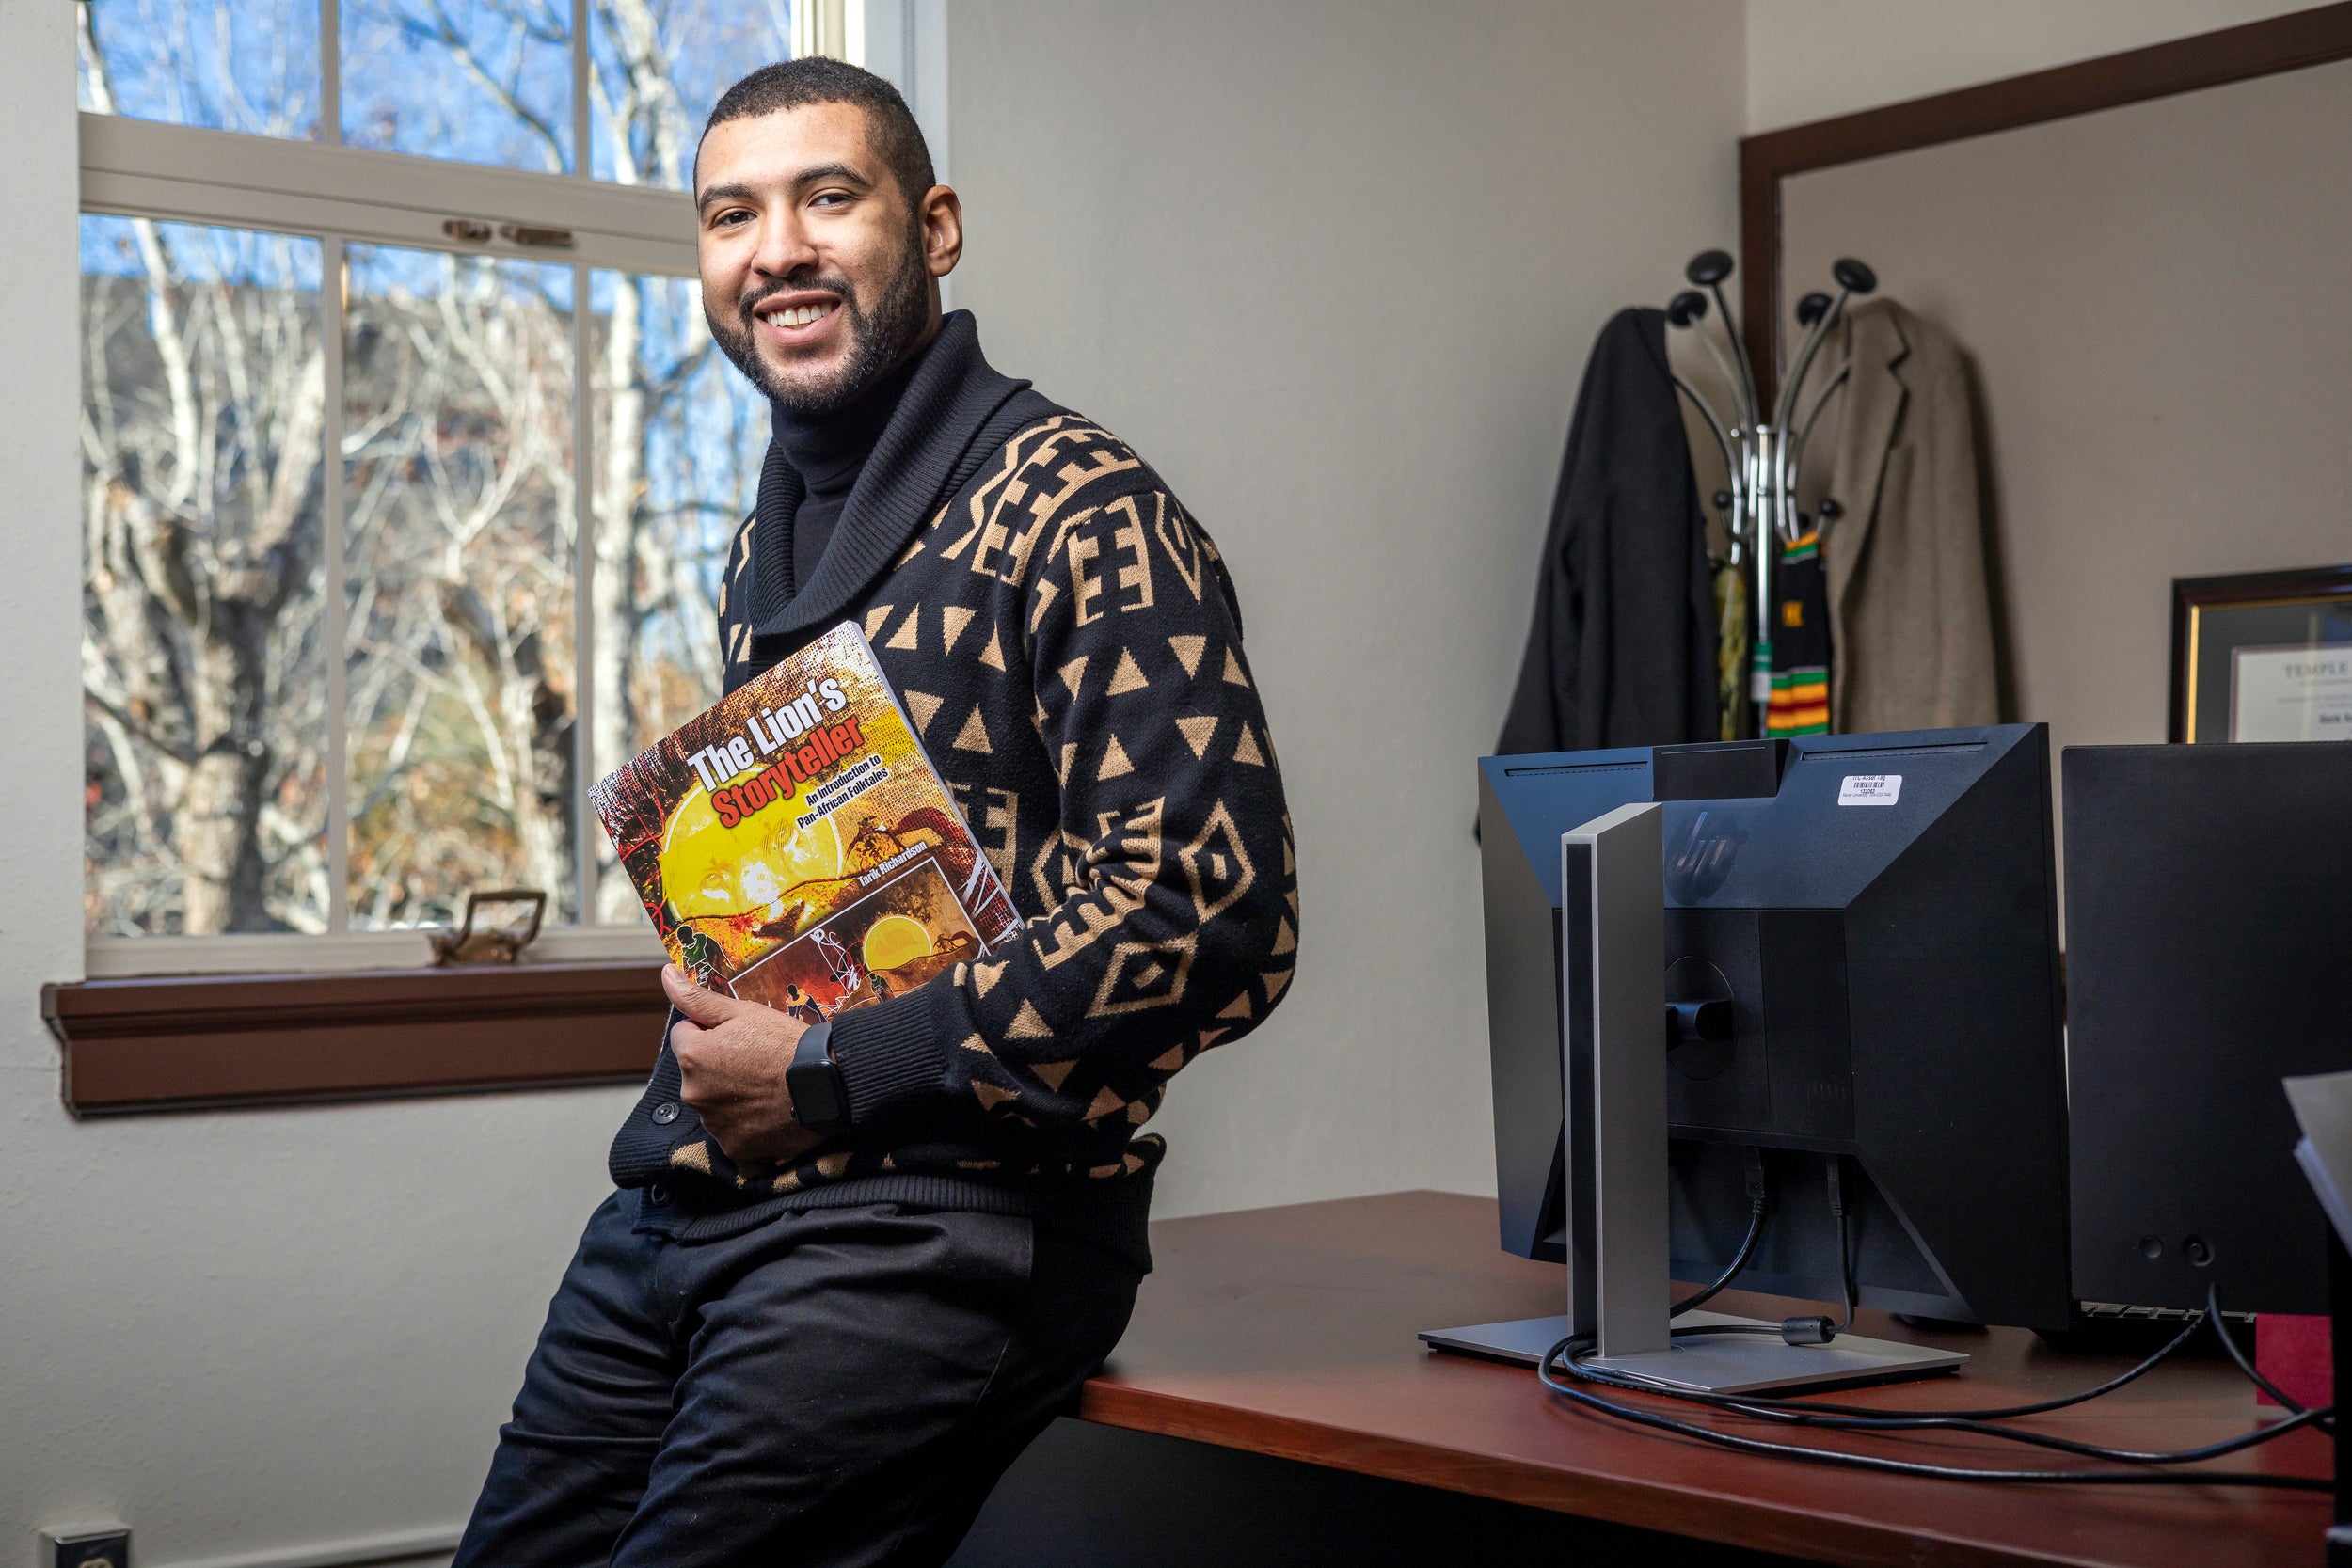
(1757, 1204)
(1940, 1472)
(1818, 1330)
(1572, 1354)
(1766, 1405)
(1814, 1330)
(1999, 1413)
(2229, 1343)
(1793, 1413)
(1794, 1331)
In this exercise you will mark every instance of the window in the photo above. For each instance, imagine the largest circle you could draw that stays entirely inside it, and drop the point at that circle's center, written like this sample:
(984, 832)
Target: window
(408, 461)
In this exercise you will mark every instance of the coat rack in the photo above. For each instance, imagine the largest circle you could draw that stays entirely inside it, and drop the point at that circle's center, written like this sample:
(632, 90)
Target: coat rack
(1763, 455)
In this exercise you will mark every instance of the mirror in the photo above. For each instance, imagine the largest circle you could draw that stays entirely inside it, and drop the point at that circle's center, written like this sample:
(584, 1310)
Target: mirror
(2155, 304)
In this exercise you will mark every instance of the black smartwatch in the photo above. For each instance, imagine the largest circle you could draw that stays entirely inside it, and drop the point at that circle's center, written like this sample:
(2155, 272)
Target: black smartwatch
(820, 1101)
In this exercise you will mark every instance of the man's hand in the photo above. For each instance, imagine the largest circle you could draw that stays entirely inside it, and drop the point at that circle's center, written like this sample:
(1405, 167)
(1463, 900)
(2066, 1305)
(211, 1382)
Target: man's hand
(731, 1059)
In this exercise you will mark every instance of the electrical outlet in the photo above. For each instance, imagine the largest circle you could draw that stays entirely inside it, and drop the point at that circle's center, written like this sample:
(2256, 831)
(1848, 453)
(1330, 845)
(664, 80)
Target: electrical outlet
(95, 1546)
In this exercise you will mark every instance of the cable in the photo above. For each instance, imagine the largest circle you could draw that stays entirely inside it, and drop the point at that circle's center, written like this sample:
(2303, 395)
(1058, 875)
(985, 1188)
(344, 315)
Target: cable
(2229, 1343)
(1793, 1412)
(1845, 1418)
(1763, 1403)
(1760, 1404)
(1933, 1420)
(1739, 1261)
(1999, 1413)
(1910, 1467)
(1845, 1242)
(1815, 1329)
(1759, 1199)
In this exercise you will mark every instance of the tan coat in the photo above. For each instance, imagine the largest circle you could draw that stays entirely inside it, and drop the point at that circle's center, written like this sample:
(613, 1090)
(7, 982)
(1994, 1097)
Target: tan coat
(1911, 618)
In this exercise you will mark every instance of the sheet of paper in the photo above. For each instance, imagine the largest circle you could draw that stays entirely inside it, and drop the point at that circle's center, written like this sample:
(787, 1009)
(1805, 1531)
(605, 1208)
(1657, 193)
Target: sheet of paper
(2323, 1108)
(2291, 693)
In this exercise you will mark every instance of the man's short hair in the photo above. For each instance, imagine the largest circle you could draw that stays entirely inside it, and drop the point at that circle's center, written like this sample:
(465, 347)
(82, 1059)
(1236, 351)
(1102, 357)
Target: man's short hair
(795, 84)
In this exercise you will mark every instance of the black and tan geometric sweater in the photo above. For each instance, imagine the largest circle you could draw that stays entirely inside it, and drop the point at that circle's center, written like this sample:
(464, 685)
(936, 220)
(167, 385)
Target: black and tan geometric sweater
(1065, 637)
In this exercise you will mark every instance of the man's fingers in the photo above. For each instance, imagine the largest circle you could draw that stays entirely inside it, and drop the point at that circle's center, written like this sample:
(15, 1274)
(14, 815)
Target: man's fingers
(699, 1002)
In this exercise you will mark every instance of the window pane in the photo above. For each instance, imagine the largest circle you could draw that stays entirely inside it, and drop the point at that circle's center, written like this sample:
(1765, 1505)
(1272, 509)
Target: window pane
(205, 689)
(480, 81)
(227, 65)
(659, 66)
(678, 440)
(458, 463)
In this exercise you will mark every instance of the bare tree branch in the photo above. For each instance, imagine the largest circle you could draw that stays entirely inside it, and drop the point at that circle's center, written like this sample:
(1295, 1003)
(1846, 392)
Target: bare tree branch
(446, 32)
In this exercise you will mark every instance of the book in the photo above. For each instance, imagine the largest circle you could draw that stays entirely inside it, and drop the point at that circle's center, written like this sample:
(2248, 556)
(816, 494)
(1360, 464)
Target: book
(795, 847)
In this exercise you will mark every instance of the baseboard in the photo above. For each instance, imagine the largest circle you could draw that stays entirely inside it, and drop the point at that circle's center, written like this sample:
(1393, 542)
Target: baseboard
(424, 1549)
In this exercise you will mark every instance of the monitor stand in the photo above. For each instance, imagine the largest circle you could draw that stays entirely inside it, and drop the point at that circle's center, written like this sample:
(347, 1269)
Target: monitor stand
(1614, 1049)
(1715, 1364)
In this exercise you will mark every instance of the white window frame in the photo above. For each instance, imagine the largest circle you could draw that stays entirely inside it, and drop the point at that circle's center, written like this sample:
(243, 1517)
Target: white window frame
(340, 196)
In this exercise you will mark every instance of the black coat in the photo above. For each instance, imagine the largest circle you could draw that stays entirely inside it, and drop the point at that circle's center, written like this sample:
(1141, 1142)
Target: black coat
(1622, 652)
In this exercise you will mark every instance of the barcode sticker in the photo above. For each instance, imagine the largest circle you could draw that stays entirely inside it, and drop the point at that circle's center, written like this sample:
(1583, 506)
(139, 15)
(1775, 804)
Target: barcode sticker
(1870, 789)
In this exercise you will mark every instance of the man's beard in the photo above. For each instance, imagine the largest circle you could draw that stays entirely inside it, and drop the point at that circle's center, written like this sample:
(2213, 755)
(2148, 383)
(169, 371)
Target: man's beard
(877, 340)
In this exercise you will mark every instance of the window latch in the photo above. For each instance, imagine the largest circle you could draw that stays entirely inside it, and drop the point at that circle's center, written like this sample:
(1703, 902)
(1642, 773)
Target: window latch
(475, 231)
(524, 233)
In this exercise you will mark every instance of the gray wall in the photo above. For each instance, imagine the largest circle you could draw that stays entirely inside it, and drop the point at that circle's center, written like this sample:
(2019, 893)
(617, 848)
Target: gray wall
(1333, 270)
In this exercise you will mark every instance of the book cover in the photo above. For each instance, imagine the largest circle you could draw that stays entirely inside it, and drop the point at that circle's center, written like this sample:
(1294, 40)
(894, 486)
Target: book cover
(795, 847)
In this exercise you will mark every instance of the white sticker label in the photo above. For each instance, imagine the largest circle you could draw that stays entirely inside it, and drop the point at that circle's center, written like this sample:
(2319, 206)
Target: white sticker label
(1870, 789)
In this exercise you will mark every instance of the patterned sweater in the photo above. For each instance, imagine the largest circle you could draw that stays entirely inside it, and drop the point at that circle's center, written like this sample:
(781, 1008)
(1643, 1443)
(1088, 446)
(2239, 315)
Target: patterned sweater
(1066, 641)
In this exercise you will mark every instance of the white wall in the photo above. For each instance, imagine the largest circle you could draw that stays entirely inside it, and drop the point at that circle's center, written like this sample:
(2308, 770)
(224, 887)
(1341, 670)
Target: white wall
(234, 1332)
(1334, 269)
(1810, 59)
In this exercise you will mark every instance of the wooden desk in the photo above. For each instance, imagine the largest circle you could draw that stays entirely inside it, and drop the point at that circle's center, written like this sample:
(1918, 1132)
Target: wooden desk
(1290, 1332)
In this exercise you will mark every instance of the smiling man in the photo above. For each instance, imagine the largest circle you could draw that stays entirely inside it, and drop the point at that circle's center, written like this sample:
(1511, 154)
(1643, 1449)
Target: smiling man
(854, 1264)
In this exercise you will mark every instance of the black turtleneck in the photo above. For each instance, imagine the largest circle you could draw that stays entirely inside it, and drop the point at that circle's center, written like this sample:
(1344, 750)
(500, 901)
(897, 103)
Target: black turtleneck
(828, 452)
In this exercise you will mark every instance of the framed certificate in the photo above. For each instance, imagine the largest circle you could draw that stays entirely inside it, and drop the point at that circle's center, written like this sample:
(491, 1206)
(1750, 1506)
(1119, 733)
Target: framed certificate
(2263, 655)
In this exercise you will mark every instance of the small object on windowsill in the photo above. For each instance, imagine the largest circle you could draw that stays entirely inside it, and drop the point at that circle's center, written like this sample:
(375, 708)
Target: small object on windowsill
(493, 945)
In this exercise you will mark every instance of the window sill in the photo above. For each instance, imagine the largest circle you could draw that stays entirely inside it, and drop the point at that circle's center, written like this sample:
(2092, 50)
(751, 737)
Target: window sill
(280, 952)
(208, 1042)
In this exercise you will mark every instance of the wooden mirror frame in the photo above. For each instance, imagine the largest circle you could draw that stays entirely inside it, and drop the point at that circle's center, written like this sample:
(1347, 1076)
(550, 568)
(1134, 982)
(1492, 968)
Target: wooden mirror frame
(2214, 59)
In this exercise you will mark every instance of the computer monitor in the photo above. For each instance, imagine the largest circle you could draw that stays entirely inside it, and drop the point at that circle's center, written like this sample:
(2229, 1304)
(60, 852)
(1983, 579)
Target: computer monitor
(1880, 911)
(2209, 954)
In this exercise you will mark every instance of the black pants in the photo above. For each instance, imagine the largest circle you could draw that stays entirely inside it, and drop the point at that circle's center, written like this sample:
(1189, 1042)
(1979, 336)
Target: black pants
(829, 1387)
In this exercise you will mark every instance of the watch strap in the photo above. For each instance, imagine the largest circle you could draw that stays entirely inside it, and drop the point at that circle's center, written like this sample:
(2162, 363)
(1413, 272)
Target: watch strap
(820, 1101)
